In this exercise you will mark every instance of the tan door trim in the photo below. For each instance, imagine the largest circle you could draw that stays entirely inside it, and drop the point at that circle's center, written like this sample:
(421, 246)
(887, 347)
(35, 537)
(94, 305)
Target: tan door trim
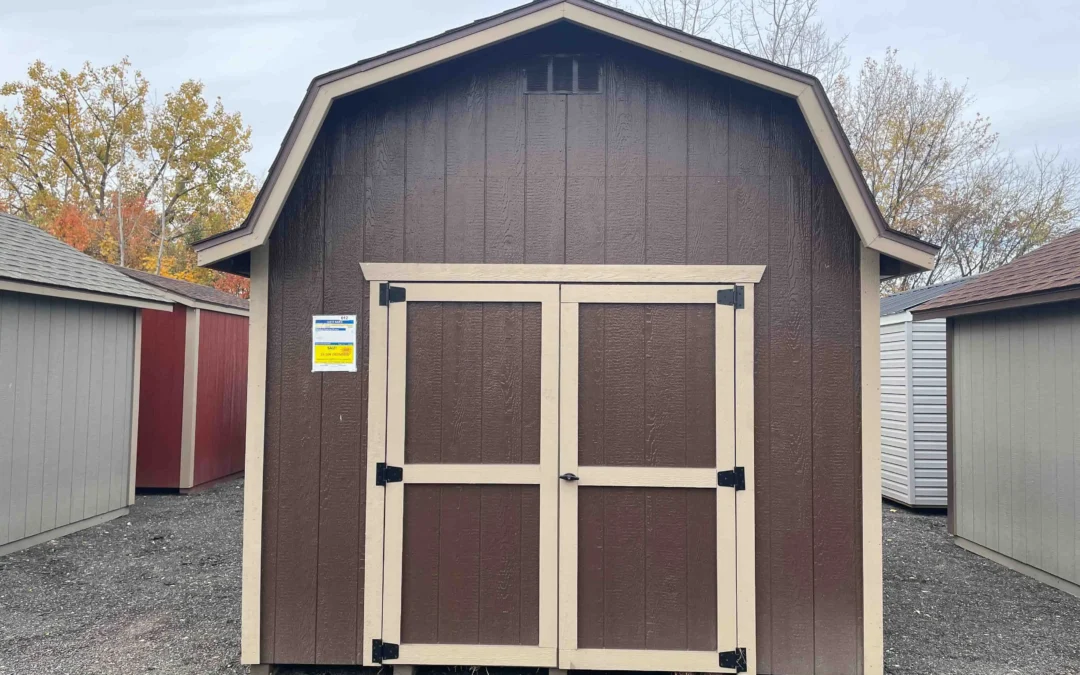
(192, 333)
(734, 446)
(565, 274)
(873, 600)
(393, 361)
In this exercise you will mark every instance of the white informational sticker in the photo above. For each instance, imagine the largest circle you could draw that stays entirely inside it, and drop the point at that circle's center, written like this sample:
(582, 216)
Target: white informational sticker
(333, 343)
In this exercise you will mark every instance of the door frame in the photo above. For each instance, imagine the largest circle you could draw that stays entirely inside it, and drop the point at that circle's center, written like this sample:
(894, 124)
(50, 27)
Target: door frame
(472, 274)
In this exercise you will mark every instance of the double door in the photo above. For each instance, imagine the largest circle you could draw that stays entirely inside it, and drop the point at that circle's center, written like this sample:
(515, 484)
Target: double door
(561, 478)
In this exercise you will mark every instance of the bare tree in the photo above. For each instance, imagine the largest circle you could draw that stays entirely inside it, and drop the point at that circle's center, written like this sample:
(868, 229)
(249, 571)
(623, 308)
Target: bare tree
(787, 32)
(696, 17)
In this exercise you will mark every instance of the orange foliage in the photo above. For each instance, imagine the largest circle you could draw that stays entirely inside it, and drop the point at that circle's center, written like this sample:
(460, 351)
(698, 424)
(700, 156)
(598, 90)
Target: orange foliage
(230, 283)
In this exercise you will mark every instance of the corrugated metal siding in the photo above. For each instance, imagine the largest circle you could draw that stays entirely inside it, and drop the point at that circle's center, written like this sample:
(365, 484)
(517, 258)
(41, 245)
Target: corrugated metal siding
(1016, 417)
(928, 374)
(895, 468)
(221, 403)
(65, 411)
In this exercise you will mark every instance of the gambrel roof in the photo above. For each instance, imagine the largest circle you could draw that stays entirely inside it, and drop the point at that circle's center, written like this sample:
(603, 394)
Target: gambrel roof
(912, 253)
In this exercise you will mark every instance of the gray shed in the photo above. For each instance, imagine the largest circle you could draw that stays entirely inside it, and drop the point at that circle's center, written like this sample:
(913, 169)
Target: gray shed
(1013, 337)
(913, 400)
(69, 342)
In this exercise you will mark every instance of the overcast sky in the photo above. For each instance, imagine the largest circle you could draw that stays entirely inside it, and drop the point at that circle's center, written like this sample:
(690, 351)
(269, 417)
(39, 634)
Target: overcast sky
(1020, 59)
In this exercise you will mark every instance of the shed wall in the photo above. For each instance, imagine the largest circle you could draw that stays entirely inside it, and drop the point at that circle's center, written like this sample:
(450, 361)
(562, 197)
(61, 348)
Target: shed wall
(928, 424)
(161, 399)
(895, 416)
(1016, 431)
(669, 165)
(66, 373)
(221, 398)
(913, 410)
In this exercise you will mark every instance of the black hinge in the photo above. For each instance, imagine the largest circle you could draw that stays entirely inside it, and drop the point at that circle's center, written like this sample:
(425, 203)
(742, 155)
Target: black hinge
(388, 294)
(736, 478)
(730, 296)
(387, 474)
(734, 659)
(383, 650)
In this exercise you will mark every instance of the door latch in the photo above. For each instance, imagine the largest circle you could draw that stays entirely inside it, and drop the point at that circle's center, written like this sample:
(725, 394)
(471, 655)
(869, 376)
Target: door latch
(569, 477)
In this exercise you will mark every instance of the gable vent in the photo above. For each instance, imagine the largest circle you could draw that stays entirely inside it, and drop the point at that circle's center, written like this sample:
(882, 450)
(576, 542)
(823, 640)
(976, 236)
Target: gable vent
(563, 74)
(536, 75)
(588, 73)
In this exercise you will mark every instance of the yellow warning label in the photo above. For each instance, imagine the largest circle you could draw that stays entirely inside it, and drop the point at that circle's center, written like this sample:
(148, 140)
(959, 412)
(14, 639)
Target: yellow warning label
(333, 354)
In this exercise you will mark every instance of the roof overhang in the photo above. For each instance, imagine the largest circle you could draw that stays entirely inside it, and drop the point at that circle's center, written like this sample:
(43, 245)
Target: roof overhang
(199, 304)
(998, 304)
(85, 296)
(915, 255)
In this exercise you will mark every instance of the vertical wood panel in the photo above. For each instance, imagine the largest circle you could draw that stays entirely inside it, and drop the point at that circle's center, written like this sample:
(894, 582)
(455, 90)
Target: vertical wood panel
(586, 147)
(343, 455)
(624, 568)
(462, 382)
(666, 166)
(466, 122)
(20, 418)
(666, 562)
(425, 172)
(665, 386)
(545, 179)
(424, 383)
(52, 425)
(502, 385)
(459, 565)
(82, 410)
(624, 229)
(9, 347)
(624, 386)
(420, 581)
(35, 444)
(834, 350)
(504, 219)
(68, 402)
(299, 489)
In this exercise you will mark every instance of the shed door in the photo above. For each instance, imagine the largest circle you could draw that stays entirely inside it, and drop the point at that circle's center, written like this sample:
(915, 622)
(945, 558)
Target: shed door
(471, 528)
(647, 564)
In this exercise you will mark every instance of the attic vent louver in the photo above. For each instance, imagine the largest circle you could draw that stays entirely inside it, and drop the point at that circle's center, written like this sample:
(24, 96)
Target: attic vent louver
(563, 74)
(536, 75)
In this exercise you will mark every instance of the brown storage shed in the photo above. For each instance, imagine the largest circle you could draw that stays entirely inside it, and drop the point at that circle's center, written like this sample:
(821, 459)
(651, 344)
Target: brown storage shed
(617, 400)
(193, 403)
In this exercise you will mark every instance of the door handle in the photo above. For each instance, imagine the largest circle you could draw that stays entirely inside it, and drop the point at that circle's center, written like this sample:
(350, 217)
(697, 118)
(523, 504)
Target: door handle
(569, 477)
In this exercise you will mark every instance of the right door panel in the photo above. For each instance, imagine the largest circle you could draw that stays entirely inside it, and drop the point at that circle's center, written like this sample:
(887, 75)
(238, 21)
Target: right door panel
(647, 538)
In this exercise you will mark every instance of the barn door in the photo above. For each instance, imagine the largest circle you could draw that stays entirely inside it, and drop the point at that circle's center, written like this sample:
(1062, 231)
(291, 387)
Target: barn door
(471, 513)
(648, 555)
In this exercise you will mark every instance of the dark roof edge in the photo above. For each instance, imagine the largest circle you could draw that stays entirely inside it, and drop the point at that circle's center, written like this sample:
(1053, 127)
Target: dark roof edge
(998, 304)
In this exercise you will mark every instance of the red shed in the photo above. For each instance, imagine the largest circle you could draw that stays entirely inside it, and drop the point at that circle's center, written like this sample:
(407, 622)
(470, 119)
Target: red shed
(194, 395)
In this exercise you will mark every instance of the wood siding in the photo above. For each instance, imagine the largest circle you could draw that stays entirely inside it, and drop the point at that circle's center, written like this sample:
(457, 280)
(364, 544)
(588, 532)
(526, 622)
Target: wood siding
(221, 401)
(1015, 391)
(670, 165)
(66, 372)
(161, 399)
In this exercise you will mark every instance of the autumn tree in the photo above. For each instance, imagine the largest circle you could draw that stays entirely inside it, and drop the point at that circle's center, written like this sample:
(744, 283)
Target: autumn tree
(90, 157)
(937, 171)
(787, 32)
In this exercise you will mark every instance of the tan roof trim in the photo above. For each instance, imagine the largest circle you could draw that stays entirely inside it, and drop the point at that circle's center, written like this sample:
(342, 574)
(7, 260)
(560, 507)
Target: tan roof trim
(806, 90)
(85, 296)
(999, 304)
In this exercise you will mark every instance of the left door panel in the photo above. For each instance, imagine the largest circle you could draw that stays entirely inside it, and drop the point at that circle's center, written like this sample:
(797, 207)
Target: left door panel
(470, 553)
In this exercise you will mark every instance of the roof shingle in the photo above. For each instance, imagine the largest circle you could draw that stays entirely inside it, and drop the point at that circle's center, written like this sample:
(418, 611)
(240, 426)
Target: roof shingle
(902, 302)
(187, 289)
(29, 254)
(1052, 267)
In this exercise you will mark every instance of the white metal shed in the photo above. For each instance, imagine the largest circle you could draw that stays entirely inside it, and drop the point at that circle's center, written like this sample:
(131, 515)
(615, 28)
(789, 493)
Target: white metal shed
(913, 403)
(69, 386)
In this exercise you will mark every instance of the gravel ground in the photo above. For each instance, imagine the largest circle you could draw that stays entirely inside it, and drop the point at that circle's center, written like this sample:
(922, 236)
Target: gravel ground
(159, 591)
(951, 612)
(155, 591)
